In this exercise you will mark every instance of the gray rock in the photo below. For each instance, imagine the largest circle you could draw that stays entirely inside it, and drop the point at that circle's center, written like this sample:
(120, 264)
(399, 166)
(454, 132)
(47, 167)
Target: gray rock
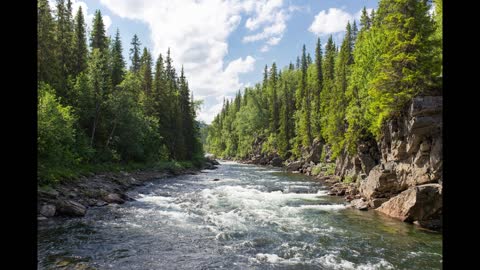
(114, 198)
(294, 166)
(359, 204)
(48, 210)
(379, 182)
(70, 208)
(421, 203)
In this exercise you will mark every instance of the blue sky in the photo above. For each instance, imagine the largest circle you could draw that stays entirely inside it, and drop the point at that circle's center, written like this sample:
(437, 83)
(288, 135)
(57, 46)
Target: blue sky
(225, 44)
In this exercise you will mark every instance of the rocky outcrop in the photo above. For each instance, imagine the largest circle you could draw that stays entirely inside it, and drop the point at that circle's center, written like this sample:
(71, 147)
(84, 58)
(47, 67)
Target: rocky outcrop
(276, 161)
(421, 204)
(409, 166)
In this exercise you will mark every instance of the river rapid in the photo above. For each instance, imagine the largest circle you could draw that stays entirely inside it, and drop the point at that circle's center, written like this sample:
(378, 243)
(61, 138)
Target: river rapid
(252, 218)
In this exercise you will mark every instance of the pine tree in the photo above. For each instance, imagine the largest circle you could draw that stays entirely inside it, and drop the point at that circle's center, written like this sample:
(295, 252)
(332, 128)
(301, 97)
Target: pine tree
(365, 21)
(274, 116)
(135, 54)
(98, 39)
(117, 61)
(64, 38)
(79, 44)
(318, 89)
(146, 71)
(47, 63)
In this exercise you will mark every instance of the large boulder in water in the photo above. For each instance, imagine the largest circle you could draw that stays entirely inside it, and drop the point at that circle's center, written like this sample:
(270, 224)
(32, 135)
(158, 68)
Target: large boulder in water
(70, 208)
(422, 204)
(48, 210)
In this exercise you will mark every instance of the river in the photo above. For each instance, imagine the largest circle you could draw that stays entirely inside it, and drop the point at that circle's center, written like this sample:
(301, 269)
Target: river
(252, 218)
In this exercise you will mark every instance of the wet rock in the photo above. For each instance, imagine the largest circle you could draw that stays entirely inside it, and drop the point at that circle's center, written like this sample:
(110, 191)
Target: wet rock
(294, 166)
(216, 179)
(421, 203)
(70, 208)
(359, 204)
(41, 218)
(48, 210)
(114, 198)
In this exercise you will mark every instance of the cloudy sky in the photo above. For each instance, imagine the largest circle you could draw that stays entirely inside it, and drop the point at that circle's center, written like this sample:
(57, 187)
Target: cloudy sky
(225, 44)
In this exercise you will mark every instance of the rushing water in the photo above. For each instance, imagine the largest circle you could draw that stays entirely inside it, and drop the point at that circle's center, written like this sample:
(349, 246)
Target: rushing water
(253, 218)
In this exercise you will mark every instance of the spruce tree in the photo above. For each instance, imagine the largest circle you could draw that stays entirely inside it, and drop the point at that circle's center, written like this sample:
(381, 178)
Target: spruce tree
(98, 39)
(47, 62)
(79, 44)
(117, 61)
(146, 71)
(135, 54)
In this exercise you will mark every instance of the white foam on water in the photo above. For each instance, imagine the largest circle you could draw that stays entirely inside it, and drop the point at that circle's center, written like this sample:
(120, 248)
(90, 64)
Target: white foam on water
(332, 261)
(268, 258)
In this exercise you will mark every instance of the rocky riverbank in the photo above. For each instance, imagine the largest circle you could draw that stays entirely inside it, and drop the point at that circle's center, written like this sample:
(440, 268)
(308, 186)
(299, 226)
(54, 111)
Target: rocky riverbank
(73, 198)
(399, 174)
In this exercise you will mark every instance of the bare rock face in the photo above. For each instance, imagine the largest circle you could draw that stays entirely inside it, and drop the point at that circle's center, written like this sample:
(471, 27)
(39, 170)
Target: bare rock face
(422, 204)
(381, 182)
(70, 208)
(315, 152)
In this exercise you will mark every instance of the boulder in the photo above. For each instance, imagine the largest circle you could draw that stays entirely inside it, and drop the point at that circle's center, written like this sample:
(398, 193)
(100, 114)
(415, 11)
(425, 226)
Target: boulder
(294, 166)
(359, 204)
(277, 162)
(114, 198)
(70, 208)
(48, 210)
(421, 203)
(381, 181)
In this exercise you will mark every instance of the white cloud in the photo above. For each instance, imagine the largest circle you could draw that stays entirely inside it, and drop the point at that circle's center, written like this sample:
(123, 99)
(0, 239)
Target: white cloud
(197, 33)
(332, 21)
(272, 16)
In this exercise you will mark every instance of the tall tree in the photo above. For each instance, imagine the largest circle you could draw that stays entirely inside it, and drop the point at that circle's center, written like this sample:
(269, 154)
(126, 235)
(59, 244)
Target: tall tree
(64, 38)
(47, 62)
(117, 61)
(98, 38)
(146, 71)
(79, 44)
(318, 89)
(135, 54)
(274, 116)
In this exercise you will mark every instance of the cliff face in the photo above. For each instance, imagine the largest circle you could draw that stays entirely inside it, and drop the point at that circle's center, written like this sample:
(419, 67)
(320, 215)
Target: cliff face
(408, 170)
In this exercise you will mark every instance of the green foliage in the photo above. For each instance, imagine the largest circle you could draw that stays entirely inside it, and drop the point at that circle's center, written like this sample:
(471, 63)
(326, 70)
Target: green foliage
(96, 116)
(56, 134)
(342, 97)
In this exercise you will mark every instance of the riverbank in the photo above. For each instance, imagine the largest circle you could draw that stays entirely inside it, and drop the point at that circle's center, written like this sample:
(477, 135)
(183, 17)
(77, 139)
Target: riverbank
(74, 197)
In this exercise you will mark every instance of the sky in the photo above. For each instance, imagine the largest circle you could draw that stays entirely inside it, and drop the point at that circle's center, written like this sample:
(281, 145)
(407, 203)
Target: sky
(224, 45)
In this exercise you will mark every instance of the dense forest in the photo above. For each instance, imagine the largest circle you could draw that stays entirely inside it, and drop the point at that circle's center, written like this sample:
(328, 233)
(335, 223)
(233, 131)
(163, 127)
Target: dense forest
(342, 95)
(92, 110)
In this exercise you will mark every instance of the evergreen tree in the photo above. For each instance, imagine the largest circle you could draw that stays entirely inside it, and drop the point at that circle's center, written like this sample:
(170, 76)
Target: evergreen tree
(318, 89)
(98, 39)
(117, 61)
(146, 71)
(135, 54)
(274, 117)
(47, 63)
(365, 21)
(79, 44)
